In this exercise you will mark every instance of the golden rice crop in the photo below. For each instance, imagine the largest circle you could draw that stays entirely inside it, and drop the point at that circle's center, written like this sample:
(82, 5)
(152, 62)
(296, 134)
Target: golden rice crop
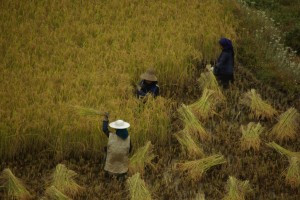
(52, 193)
(283, 151)
(137, 188)
(142, 157)
(208, 80)
(292, 176)
(189, 146)
(236, 189)
(205, 106)
(88, 111)
(192, 124)
(287, 125)
(259, 108)
(250, 138)
(200, 196)
(15, 189)
(196, 168)
(63, 179)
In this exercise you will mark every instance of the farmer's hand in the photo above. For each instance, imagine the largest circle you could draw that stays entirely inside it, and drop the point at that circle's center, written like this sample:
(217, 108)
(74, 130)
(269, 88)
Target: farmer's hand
(138, 87)
(106, 116)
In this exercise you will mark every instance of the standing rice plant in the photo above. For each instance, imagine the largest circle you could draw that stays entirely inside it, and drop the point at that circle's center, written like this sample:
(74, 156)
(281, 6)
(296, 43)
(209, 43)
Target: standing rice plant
(283, 151)
(258, 107)
(197, 168)
(287, 125)
(52, 193)
(88, 111)
(143, 156)
(189, 146)
(236, 189)
(205, 106)
(137, 188)
(292, 176)
(14, 187)
(63, 179)
(250, 138)
(192, 124)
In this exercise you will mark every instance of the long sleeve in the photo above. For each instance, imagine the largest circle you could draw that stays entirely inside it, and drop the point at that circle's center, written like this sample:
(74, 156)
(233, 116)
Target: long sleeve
(105, 127)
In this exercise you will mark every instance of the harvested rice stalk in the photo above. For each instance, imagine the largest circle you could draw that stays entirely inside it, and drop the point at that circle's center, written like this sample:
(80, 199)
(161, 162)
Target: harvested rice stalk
(200, 196)
(293, 172)
(287, 125)
(63, 179)
(54, 194)
(250, 138)
(236, 189)
(283, 151)
(205, 106)
(88, 111)
(137, 188)
(190, 147)
(197, 168)
(258, 107)
(141, 158)
(192, 124)
(209, 81)
(14, 186)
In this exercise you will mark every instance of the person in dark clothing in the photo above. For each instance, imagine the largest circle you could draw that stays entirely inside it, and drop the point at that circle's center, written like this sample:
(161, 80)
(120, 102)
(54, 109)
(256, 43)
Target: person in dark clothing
(224, 68)
(118, 148)
(148, 85)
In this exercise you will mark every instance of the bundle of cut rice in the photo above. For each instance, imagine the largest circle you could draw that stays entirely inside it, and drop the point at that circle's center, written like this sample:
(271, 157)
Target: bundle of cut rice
(137, 188)
(250, 138)
(236, 189)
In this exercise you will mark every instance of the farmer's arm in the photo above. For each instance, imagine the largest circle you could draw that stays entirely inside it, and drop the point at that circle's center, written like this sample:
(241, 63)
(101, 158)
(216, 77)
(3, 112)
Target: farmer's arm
(105, 125)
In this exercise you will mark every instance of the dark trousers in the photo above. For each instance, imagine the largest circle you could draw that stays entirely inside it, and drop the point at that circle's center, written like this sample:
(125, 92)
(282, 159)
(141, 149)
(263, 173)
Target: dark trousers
(225, 79)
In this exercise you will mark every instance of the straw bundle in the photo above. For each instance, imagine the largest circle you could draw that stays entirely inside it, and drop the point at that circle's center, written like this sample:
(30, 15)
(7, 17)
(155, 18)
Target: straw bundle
(88, 111)
(250, 138)
(63, 179)
(141, 158)
(192, 124)
(209, 81)
(54, 194)
(200, 196)
(14, 186)
(287, 125)
(205, 106)
(236, 189)
(258, 107)
(293, 173)
(190, 147)
(197, 168)
(283, 151)
(137, 188)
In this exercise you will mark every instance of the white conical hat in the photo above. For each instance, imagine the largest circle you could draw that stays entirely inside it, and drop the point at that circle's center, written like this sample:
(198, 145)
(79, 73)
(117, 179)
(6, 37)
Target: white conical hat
(119, 124)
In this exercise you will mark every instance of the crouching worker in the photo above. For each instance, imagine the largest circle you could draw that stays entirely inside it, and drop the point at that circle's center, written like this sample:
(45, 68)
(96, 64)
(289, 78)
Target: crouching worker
(118, 148)
(148, 85)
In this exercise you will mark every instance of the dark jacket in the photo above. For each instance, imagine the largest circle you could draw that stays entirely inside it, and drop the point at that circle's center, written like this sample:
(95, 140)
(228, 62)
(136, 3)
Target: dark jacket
(225, 63)
(152, 89)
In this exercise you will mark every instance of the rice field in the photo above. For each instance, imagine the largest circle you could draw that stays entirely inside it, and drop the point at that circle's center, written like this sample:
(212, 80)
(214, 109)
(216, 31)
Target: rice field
(58, 57)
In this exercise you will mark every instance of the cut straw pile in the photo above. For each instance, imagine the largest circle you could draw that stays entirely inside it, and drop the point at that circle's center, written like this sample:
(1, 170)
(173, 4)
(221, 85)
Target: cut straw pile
(190, 147)
(258, 107)
(287, 125)
(205, 106)
(236, 189)
(209, 81)
(52, 193)
(197, 168)
(141, 158)
(63, 180)
(250, 138)
(137, 188)
(192, 124)
(293, 172)
(14, 187)
(87, 111)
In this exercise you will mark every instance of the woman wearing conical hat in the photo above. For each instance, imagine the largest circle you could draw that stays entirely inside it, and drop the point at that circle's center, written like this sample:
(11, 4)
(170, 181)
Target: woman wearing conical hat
(118, 148)
(148, 85)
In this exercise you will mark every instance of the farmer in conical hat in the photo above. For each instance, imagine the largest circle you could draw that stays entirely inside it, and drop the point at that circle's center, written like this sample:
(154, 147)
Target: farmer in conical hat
(118, 148)
(148, 85)
(225, 63)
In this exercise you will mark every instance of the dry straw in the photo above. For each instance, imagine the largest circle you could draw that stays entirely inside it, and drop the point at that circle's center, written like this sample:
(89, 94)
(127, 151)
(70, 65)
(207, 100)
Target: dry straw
(189, 146)
(236, 189)
(137, 188)
(258, 107)
(197, 168)
(205, 106)
(52, 193)
(141, 158)
(63, 179)
(200, 196)
(14, 186)
(192, 124)
(283, 151)
(209, 81)
(292, 176)
(287, 125)
(250, 138)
